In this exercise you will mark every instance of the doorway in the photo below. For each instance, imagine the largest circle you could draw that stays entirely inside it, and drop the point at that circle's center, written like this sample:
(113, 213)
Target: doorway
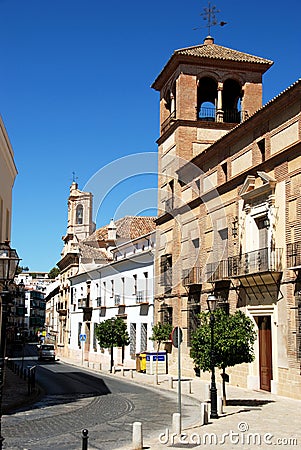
(265, 352)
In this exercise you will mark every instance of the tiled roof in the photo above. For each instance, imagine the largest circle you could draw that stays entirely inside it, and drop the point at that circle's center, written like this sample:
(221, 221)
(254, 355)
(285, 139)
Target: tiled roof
(92, 252)
(129, 227)
(207, 53)
(214, 51)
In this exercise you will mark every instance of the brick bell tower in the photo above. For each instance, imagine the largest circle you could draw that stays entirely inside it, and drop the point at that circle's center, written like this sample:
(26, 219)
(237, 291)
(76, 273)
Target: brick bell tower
(205, 91)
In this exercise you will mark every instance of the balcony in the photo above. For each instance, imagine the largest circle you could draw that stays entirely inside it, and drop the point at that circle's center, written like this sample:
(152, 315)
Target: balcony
(141, 297)
(217, 271)
(259, 261)
(83, 303)
(166, 278)
(117, 300)
(191, 276)
(293, 252)
(229, 115)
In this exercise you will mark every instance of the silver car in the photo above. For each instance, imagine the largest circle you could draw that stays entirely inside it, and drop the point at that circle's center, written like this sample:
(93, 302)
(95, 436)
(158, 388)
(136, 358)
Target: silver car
(46, 352)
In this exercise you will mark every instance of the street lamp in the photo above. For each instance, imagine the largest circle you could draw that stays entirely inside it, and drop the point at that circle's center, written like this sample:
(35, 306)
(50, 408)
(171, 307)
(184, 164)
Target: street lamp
(212, 305)
(9, 261)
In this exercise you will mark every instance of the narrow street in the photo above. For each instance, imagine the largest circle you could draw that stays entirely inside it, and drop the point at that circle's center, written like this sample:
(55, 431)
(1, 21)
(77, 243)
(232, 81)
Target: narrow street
(75, 399)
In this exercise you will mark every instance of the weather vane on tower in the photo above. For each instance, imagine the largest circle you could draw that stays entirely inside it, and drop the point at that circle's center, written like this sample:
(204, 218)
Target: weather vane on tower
(209, 15)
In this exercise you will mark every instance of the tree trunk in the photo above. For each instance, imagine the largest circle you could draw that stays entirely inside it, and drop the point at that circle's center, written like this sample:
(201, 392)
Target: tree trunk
(224, 387)
(158, 348)
(112, 359)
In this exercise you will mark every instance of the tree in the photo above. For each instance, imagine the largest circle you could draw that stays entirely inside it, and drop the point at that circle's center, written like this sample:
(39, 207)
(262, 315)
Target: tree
(161, 333)
(112, 333)
(53, 273)
(234, 337)
(21, 269)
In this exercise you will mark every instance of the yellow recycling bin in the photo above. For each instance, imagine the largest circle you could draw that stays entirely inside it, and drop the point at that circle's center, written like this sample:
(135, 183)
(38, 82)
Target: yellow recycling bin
(142, 358)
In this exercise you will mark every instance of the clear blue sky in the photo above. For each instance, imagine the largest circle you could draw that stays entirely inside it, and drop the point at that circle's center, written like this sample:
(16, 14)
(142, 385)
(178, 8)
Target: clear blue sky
(75, 92)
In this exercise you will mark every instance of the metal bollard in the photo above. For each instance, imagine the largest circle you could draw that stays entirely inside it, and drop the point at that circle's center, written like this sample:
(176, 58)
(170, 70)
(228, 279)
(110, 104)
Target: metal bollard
(85, 438)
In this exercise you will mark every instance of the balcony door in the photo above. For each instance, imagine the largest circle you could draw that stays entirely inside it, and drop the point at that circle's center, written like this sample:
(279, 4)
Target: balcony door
(265, 352)
(262, 232)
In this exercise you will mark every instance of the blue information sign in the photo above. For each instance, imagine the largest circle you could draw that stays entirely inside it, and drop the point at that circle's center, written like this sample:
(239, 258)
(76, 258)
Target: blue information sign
(83, 337)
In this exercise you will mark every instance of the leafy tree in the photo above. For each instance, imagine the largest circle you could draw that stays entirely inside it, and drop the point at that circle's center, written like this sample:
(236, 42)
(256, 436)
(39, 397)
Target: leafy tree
(161, 333)
(53, 273)
(234, 337)
(112, 333)
(21, 269)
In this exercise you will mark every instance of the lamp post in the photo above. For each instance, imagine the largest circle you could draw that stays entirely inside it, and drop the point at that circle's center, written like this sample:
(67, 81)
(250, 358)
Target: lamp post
(212, 304)
(21, 294)
(9, 261)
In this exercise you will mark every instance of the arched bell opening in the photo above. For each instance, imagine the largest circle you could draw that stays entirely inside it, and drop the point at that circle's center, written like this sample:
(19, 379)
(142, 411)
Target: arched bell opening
(207, 99)
(232, 95)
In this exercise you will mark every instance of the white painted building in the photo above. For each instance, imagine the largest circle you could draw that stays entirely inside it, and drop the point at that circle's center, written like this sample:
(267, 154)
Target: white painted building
(121, 288)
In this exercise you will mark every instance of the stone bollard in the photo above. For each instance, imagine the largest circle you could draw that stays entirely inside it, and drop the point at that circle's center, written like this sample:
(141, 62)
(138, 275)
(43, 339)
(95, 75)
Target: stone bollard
(189, 387)
(155, 379)
(131, 373)
(171, 383)
(122, 371)
(137, 436)
(204, 413)
(219, 405)
(176, 423)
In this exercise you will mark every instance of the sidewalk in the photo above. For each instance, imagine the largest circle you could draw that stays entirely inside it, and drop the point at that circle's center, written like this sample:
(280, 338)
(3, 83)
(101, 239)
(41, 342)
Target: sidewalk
(251, 419)
(15, 392)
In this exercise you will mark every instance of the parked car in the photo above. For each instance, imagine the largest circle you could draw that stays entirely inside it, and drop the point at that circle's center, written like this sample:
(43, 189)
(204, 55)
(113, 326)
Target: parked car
(46, 352)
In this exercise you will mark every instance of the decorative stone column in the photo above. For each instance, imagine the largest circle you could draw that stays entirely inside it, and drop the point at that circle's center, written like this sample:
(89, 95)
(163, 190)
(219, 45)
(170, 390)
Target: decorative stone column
(219, 106)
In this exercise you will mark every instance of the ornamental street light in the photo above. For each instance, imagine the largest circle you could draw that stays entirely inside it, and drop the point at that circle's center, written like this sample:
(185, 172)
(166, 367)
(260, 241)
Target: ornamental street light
(212, 305)
(9, 261)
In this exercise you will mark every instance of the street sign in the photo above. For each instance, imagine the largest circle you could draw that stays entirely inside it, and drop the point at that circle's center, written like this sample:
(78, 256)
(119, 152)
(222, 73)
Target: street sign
(83, 337)
(176, 336)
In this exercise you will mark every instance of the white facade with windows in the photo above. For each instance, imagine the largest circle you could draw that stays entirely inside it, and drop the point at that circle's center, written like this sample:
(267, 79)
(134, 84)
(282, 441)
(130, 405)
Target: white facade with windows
(121, 288)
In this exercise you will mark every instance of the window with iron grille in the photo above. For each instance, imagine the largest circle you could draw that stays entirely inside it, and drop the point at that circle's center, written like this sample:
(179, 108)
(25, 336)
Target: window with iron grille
(166, 272)
(117, 299)
(94, 337)
(143, 337)
(298, 333)
(193, 310)
(166, 314)
(79, 330)
(132, 338)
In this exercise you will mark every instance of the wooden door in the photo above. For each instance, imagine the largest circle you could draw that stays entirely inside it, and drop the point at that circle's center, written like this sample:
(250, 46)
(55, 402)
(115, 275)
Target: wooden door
(265, 352)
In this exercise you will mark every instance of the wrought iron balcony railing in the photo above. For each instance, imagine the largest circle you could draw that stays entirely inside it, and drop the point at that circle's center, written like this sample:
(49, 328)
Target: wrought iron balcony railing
(141, 297)
(258, 261)
(191, 276)
(293, 252)
(83, 303)
(217, 271)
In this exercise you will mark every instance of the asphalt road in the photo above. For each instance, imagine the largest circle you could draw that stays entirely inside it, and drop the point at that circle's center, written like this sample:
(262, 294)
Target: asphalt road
(75, 399)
